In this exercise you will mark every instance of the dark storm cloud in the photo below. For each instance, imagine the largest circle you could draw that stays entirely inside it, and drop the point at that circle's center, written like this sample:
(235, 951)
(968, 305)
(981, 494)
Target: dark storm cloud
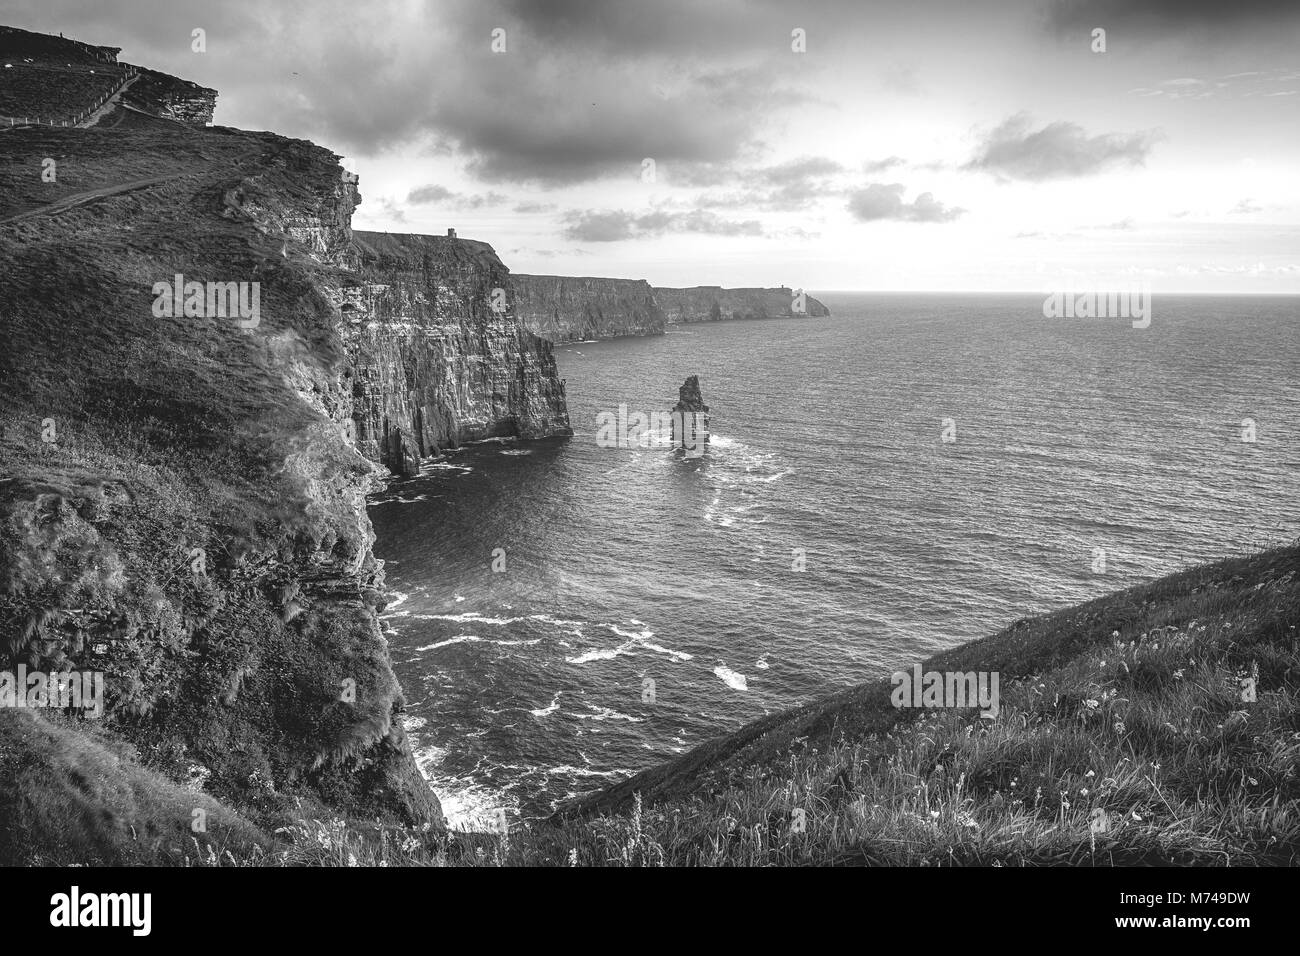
(880, 201)
(613, 225)
(555, 129)
(582, 91)
(1165, 17)
(1061, 150)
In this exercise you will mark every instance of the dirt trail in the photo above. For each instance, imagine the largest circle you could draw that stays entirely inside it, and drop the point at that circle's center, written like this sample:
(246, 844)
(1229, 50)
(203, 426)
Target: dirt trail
(64, 203)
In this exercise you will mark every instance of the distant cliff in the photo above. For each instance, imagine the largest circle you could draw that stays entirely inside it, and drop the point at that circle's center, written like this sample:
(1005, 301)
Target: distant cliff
(711, 303)
(576, 308)
(435, 363)
(572, 308)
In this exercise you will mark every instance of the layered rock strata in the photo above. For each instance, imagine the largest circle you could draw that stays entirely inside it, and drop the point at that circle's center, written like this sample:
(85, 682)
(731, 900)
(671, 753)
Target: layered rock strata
(578, 308)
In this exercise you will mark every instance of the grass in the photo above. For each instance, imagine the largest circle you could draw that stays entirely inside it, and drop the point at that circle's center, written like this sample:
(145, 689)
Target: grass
(1122, 739)
(176, 433)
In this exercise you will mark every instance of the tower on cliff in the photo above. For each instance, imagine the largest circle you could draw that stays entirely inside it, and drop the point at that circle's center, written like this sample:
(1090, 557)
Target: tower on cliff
(690, 420)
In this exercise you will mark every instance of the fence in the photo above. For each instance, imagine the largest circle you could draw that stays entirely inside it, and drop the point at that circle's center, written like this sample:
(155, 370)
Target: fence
(131, 74)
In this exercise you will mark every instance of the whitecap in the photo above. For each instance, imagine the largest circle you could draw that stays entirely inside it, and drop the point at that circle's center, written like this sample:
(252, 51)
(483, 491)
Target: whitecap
(731, 678)
(550, 708)
(605, 713)
(469, 617)
(458, 639)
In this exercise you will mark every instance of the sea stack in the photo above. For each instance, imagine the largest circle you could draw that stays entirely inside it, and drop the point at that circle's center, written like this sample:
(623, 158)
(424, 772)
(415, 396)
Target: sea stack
(690, 420)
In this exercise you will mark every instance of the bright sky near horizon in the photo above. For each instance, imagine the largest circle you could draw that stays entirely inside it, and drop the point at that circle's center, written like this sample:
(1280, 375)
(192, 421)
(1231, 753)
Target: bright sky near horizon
(827, 144)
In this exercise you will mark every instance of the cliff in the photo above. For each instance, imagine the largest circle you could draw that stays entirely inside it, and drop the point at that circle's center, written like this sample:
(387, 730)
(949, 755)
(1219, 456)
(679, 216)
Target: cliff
(573, 309)
(438, 354)
(1153, 726)
(183, 491)
(171, 98)
(707, 303)
(57, 79)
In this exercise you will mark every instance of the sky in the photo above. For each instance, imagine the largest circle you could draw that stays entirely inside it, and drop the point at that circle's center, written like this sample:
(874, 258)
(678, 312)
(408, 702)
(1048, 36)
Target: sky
(925, 145)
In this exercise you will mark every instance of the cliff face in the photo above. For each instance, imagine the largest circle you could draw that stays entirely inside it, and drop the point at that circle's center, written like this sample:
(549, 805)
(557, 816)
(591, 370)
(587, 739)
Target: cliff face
(193, 522)
(438, 355)
(172, 98)
(573, 309)
(708, 303)
(183, 497)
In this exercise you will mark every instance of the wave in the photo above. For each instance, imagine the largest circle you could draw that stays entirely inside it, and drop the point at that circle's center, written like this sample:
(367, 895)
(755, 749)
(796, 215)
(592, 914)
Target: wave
(606, 713)
(551, 708)
(731, 678)
(475, 639)
(469, 617)
(636, 640)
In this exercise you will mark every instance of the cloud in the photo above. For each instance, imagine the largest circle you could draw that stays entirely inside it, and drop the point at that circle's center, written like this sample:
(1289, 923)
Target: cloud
(790, 185)
(878, 201)
(901, 78)
(436, 193)
(573, 121)
(615, 225)
(1060, 150)
(1246, 206)
(1123, 225)
(425, 194)
(583, 91)
(871, 166)
(1161, 18)
(392, 209)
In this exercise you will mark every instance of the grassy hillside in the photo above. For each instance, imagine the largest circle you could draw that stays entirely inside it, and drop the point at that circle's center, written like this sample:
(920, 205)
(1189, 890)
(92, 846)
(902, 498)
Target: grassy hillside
(1122, 739)
(128, 441)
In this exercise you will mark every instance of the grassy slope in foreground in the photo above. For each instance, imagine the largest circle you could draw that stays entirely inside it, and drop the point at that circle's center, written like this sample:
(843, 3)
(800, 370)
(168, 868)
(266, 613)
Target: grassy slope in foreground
(1129, 704)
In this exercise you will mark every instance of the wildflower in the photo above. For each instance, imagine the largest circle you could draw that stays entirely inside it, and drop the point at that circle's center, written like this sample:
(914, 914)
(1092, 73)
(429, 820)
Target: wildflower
(573, 856)
(1090, 773)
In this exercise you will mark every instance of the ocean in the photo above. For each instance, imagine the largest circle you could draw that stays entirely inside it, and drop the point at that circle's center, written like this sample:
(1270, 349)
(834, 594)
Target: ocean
(912, 472)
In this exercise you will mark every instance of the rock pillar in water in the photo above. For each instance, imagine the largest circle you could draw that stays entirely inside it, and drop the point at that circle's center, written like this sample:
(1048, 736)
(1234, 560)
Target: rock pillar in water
(690, 420)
